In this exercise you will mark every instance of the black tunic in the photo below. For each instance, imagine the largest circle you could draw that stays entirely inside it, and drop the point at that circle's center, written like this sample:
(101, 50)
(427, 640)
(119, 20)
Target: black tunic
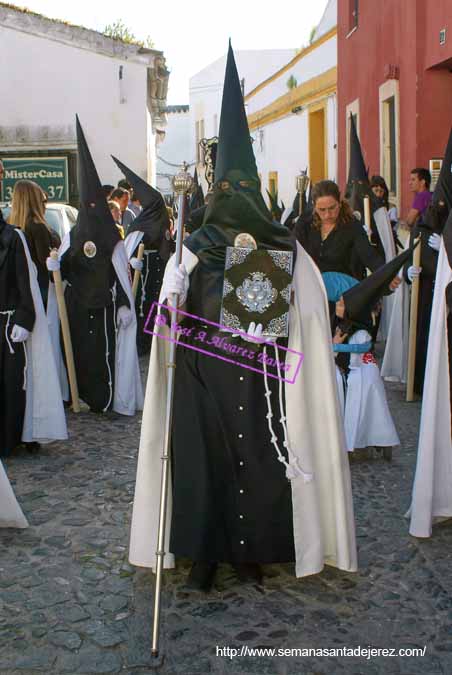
(346, 249)
(231, 499)
(15, 295)
(429, 261)
(41, 240)
(92, 325)
(148, 292)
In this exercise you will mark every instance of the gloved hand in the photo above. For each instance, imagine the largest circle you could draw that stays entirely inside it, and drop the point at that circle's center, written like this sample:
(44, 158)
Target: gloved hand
(125, 316)
(413, 272)
(136, 264)
(434, 241)
(253, 333)
(19, 334)
(177, 281)
(52, 265)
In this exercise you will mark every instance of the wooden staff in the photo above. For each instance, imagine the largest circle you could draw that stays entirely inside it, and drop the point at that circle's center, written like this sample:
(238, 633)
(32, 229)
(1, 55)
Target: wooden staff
(367, 216)
(137, 275)
(62, 311)
(413, 326)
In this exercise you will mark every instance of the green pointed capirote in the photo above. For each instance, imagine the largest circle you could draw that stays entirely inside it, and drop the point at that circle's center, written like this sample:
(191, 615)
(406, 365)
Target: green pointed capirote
(235, 157)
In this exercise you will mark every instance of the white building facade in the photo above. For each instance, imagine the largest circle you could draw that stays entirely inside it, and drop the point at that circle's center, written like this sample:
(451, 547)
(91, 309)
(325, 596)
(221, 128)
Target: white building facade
(49, 71)
(175, 149)
(293, 114)
(206, 89)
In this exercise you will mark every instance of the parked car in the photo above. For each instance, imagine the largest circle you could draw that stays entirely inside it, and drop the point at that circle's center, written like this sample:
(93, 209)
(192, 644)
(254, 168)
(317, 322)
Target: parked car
(59, 217)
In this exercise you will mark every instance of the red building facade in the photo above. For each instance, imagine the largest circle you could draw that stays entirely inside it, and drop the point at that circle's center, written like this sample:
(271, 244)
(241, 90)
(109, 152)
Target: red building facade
(395, 77)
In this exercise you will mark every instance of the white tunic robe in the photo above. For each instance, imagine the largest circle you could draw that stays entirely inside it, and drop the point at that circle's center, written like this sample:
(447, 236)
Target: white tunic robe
(367, 418)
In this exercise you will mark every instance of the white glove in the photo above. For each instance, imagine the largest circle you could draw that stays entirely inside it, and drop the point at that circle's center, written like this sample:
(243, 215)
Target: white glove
(136, 264)
(125, 316)
(253, 333)
(19, 334)
(52, 265)
(434, 241)
(177, 281)
(413, 272)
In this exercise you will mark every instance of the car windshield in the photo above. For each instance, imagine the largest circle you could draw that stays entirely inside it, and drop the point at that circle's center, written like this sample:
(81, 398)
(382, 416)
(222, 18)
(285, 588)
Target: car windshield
(55, 221)
(72, 215)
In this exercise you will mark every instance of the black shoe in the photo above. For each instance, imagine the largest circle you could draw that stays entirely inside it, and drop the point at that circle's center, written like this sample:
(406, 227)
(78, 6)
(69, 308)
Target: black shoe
(249, 572)
(32, 447)
(201, 576)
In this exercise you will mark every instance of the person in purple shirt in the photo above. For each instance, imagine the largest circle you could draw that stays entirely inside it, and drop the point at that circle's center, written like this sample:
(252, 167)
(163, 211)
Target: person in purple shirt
(420, 180)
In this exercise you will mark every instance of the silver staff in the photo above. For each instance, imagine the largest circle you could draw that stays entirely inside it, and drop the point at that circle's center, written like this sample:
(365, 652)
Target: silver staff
(182, 184)
(302, 182)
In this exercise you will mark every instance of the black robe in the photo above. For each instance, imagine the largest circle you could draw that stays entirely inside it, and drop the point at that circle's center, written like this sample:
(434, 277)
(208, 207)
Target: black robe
(231, 499)
(346, 249)
(91, 308)
(429, 262)
(15, 296)
(41, 240)
(148, 292)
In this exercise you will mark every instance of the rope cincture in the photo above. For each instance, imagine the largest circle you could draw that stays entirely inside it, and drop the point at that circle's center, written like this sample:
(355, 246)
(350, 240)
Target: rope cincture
(143, 284)
(8, 313)
(25, 366)
(107, 346)
(293, 469)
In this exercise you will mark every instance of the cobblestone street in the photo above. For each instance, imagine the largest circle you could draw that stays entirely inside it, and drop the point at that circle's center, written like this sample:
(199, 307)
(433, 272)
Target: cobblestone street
(70, 602)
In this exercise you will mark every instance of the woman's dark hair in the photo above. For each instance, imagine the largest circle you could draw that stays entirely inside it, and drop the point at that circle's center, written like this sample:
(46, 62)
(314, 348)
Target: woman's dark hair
(379, 181)
(328, 188)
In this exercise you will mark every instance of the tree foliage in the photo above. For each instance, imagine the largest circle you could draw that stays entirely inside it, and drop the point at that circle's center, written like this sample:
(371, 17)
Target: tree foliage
(292, 82)
(119, 31)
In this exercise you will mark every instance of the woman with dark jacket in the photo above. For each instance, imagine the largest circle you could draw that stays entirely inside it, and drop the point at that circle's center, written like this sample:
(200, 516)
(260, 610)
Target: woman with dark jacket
(334, 239)
(28, 213)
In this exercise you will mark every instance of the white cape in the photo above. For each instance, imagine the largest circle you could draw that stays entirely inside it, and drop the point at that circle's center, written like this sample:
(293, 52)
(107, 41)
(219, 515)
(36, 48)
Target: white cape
(44, 420)
(384, 228)
(432, 489)
(323, 522)
(53, 320)
(131, 242)
(368, 420)
(128, 390)
(10, 512)
(395, 360)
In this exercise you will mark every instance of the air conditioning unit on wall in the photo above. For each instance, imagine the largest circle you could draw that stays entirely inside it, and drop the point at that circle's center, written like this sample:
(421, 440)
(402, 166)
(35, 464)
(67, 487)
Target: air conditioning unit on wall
(434, 166)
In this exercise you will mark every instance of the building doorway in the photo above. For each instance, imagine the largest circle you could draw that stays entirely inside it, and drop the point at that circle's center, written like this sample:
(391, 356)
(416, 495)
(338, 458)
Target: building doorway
(317, 146)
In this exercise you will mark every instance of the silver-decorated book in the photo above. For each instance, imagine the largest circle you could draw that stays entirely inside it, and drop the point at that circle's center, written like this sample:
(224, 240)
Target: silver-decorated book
(257, 286)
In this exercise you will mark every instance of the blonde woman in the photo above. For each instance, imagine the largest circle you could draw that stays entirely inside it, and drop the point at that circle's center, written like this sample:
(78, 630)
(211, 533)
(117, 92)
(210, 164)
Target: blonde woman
(28, 213)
